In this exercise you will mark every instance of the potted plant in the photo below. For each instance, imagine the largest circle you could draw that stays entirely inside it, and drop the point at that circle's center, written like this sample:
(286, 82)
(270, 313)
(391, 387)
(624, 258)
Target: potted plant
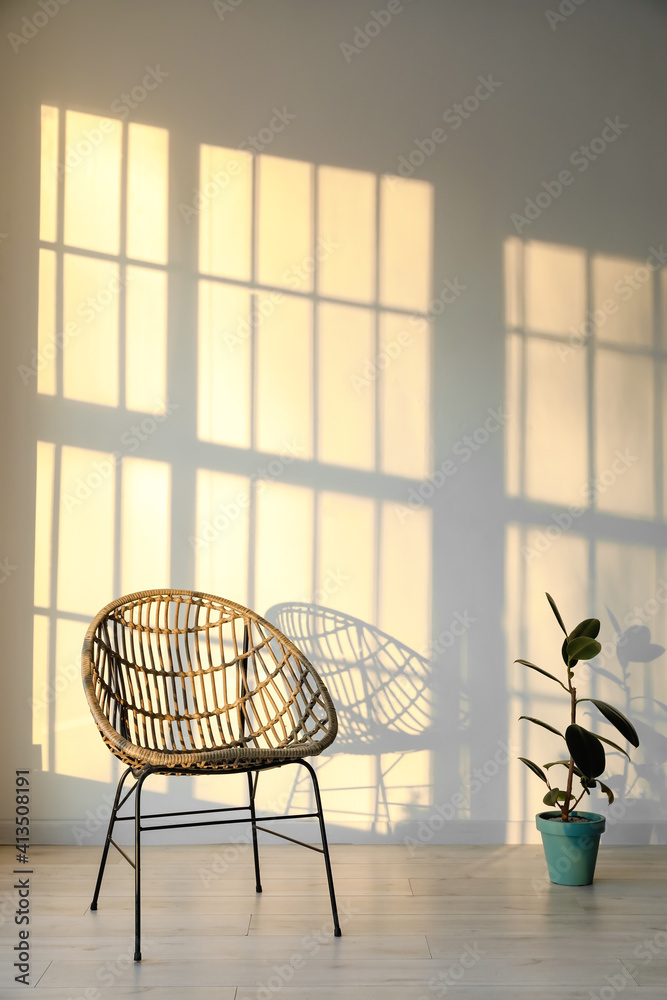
(570, 836)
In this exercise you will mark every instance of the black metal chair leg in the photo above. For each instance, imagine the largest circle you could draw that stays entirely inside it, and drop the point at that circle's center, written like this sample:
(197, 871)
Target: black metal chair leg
(252, 788)
(107, 842)
(325, 847)
(137, 865)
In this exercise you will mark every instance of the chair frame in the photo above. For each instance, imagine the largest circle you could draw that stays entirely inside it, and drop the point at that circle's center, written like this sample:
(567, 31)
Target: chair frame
(141, 769)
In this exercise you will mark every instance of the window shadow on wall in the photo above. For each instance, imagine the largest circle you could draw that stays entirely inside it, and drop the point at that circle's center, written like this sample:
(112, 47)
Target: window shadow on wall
(234, 395)
(584, 476)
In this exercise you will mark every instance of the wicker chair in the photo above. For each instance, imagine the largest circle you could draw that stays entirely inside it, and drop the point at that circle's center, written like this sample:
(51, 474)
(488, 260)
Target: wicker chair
(180, 682)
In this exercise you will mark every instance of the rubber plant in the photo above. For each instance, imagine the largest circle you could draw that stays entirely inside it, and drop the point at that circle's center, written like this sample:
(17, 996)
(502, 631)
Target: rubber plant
(587, 758)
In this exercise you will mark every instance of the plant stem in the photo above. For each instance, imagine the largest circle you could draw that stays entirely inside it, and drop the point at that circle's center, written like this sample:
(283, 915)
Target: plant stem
(579, 799)
(565, 808)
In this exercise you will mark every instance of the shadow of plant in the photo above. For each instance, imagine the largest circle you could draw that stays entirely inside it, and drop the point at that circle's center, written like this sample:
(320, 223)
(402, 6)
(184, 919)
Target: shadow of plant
(641, 787)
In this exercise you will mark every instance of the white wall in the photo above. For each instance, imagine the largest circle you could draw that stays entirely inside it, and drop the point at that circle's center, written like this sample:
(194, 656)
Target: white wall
(477, 556)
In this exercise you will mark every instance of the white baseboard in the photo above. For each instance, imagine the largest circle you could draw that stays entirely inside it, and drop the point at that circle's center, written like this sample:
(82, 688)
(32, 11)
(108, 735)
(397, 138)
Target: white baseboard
(414, 834)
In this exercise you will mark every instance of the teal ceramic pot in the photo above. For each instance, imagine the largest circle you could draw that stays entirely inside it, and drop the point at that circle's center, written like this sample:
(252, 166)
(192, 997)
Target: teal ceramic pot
(571, 849)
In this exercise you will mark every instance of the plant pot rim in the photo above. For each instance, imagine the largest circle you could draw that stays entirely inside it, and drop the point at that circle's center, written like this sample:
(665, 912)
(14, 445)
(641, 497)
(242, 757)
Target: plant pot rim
(595, 824)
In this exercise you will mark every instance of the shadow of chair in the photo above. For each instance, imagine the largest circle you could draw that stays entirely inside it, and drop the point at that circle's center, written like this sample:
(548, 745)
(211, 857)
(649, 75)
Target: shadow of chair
(381, 687)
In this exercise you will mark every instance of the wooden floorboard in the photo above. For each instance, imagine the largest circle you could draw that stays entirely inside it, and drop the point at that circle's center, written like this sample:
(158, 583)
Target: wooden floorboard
(462, 922)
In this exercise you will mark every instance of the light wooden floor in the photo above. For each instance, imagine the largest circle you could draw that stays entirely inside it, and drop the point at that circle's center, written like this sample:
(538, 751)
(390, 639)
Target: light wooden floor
(456, 922)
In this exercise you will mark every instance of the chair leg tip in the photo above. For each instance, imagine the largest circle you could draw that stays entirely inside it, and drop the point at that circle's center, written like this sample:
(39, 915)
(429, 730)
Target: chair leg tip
(258, 888)
(137, 956)
(337, 932)
(93, 906)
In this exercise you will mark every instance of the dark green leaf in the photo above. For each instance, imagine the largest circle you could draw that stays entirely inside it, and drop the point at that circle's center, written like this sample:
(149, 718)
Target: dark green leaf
(608, 792)
(583, 648)
(535, 769)
(546, 673)
(563, 653)
(551, 798)
(590, 627)
(617, 719)
(612, 744)
(545, 725)
(556, 612)
(586, 749)
(588, 783)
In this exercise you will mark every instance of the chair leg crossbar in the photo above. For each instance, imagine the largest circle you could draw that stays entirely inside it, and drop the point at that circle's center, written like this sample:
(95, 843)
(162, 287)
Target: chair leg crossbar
(252, 818)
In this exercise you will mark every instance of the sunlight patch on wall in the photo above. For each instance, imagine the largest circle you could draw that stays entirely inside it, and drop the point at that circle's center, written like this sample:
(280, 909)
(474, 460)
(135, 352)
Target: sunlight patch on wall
(347, 553)
(86, 338)
(407, 780)
(79, 751)
(376, 793)
(86, 535)
(146, 340)
(225, 359)
(43, 522)
(546, 435)
(225, 220)
(346, 409)
(229, 790)
(404, 576)
(48, 198)
(514, 405)
(406, 238)
(663, 381)
(273, 334)
(555, 287)
(92, 185)
(626, 312)
(284, 544)
(580, 379)
(221, 534)
(347, 220)
(351, 790)
(90, 359)
(46, 323)
(284, 223)
(40, 685)
(147, 191)
(513, 281)
(624, 438)
(405, 405)
(145, 524)
(362, 792)
(556, 446)
(283, 372)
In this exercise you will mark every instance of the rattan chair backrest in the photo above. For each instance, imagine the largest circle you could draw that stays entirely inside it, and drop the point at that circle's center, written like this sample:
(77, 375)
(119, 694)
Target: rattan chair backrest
(179, 671)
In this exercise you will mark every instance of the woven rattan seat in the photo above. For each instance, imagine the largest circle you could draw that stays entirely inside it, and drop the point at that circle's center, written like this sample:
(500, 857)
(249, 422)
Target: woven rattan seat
(180, 682)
